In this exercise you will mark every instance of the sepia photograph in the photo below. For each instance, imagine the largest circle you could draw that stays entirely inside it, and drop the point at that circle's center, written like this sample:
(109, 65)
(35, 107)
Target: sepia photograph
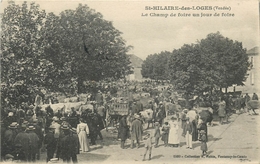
(126, 81)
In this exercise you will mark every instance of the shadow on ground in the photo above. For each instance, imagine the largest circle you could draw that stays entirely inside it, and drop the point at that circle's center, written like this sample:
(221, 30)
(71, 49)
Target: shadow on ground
(84, 157)
(211, 138)
(157, 156)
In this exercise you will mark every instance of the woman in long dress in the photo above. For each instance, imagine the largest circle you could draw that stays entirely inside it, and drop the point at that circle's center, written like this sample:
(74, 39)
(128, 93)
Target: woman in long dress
(174, 138)
(83, 131)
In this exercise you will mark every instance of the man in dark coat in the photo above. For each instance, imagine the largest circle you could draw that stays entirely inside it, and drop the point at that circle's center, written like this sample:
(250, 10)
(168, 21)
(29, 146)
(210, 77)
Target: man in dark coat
(92, 121)
(136, 131)
(133, 108)
(34, 143)
(69, 145)
(38, 131)
(139, 106)
(23, 139)
(123, 131)
(102, 113)
(160, 115)
(9, 137)
(50, 143)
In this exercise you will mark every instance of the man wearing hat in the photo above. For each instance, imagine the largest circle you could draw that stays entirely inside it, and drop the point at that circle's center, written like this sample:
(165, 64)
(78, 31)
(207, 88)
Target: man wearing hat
(57, 133)
(9, 137)
(187, 133)
(64, 121)
(10, 118)
(123, 130)
(183, 117)
(159, 116)
(23, 139)
(69, 145)
(34, 143)
(39, 133)
(133, 108)
(57, 127)
(50, 143)
(139, 106)
(136, 131)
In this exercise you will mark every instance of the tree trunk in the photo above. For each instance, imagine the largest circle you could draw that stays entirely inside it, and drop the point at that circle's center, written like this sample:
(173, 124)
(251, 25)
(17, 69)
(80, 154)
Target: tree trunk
(226, 90)
(80, 85)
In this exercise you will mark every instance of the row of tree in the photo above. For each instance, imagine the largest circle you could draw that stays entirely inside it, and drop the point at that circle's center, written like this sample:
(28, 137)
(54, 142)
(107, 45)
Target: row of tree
(59, 52)
(211, 64)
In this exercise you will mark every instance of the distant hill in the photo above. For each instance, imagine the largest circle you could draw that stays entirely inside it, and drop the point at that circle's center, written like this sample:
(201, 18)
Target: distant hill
(253, 51)
(136, 61)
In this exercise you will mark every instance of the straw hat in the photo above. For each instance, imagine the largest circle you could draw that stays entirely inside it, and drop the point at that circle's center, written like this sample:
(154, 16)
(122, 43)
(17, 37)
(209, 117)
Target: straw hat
(156, 123)
(9, 156)
(65, 127)
(35, 120)
(31, 107)
(52, 127)
(136, 116)
(55, 118)
(54, 160)
(63, 119)
(31, 128)
(13, 125)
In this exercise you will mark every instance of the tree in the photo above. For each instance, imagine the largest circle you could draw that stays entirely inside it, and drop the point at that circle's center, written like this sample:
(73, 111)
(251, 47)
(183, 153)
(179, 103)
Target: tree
(185, 70)
(85, 46)
(214, 62)
(21, 47)
(49, 51)
(226, 62)
(156, 66)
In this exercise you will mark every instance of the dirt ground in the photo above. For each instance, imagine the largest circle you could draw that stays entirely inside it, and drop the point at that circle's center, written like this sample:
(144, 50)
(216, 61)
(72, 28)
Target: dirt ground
(235, 141)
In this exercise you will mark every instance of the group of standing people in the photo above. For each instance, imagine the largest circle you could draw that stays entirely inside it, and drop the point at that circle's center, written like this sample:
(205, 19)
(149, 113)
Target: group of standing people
(239, 105)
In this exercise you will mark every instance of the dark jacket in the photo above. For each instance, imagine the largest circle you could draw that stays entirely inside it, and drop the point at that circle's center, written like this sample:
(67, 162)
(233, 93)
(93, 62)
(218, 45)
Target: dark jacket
(69, 145)
(157, 133)
(23, 139)
(136, 130)
(187, 127)
(49, 141)
(123, 129)
(34, 141)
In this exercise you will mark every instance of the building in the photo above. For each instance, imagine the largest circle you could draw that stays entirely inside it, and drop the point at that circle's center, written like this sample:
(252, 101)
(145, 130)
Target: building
(253, 79)
(136, 63)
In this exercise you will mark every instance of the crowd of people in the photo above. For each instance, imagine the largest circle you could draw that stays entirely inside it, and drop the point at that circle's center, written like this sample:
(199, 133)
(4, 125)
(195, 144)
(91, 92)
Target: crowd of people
(30, 129)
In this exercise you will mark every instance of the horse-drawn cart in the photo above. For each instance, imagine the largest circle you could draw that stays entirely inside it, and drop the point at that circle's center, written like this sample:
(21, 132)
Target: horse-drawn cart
(115, 112)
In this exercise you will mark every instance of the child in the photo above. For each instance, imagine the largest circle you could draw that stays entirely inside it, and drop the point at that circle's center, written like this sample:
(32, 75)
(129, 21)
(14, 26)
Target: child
(165, 133)
(157, 134)
(148, 145)
(203, 147)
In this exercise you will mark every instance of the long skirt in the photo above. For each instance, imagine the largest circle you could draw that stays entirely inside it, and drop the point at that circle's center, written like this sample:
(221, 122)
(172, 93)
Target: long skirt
(83, 141)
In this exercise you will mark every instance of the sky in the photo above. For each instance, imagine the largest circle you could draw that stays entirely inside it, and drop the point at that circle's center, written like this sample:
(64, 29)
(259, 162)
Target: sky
(153, 34)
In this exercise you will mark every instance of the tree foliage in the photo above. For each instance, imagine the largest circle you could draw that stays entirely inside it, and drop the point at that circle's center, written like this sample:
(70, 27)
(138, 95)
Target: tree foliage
(155, 66)
(88, 47)
(212, 63)
(59, 52)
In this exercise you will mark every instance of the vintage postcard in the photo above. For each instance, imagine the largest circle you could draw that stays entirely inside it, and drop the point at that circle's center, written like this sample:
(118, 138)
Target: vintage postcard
(125, 81)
